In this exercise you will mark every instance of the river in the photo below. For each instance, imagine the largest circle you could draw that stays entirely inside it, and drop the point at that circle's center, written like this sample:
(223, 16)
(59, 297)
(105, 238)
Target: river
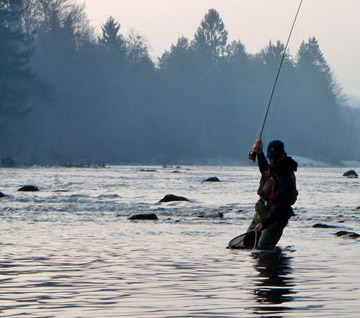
(70, 250)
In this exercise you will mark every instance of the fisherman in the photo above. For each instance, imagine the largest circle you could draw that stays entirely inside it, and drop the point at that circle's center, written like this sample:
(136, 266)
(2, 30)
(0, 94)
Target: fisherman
(277, 191)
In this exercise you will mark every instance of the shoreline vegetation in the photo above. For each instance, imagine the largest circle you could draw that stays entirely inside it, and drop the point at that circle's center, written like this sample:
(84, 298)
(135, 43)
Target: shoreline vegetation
(303, 163)
(76, 98)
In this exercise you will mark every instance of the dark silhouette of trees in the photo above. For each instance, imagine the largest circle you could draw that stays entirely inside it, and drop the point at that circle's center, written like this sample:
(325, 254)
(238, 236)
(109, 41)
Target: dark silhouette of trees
(235, 53)
(111, 39)
(15, 51)
(211, 36)
(177, 59)
(102, 99)
(320, 101)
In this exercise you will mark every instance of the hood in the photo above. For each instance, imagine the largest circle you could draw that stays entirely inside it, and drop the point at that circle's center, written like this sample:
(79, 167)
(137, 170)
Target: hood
(290, 164)
(287, 165)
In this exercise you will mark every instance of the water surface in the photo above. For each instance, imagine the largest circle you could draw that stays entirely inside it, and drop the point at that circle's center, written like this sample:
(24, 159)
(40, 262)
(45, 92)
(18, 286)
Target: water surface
(69, 250)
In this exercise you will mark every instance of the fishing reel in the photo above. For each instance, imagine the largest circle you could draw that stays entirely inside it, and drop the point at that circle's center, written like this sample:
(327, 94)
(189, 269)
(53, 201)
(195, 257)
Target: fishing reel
(252, 155)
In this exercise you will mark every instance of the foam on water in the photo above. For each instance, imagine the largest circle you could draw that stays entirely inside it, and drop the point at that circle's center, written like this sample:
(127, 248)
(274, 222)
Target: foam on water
(70, 250)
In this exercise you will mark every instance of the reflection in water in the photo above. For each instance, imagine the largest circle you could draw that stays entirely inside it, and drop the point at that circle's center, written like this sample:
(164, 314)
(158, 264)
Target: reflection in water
(274, 284)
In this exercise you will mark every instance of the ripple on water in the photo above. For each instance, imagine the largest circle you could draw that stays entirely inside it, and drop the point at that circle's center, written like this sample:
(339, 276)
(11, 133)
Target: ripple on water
(75, 253)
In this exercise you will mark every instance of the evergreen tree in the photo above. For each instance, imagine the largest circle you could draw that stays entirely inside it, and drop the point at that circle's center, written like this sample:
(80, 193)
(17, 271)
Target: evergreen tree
(15, 75)
(176, 60)
(316, 74)
(319, 100)
(271, 56)
(238, 83)
(111, 39)
(179, 85)
(211, 36)
(310, 60)
(235, 52)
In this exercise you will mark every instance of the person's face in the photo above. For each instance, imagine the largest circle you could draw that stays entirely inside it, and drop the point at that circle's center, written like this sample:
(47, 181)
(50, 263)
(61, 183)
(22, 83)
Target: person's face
(275, 162)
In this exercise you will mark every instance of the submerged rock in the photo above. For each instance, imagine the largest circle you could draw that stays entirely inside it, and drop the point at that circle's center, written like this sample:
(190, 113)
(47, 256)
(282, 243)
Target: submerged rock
(350, 174)
(324, 226)
(148, 216)
(212, 179)
(82, 165)
(212, 215)
(148, 170)
(347, 234)
(29, 188)
(172, 197)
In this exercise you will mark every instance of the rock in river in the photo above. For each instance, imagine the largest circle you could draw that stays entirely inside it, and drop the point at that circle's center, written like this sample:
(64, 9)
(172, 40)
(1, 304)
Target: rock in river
(172, 197)
(347, 234)
(325, 226)
(212, 179)
(149, 216)
(29, 188)
(212, 215)
(350, 174)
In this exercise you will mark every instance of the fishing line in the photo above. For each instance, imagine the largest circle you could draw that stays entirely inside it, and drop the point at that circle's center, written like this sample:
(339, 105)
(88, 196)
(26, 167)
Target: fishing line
(252, 154)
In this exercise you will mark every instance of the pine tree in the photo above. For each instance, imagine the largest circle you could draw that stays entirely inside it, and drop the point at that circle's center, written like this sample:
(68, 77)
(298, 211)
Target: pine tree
(15, 75)
(271, 55)
(319, 99)
(111, 39)
(311, 60)
(211, 36)
(236, 53)
(176, 59)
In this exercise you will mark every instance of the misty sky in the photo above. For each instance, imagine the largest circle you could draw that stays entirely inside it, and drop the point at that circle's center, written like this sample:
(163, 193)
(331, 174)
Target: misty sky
(335, 23)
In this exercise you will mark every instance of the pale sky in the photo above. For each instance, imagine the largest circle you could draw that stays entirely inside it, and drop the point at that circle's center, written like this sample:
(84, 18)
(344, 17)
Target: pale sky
(335, 23)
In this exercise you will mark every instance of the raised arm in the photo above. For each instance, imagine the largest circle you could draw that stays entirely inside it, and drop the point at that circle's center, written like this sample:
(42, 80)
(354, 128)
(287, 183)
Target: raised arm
(262, 162)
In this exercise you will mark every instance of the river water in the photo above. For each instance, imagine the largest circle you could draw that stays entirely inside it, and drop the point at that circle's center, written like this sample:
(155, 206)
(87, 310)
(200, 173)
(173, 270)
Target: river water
(70, 250)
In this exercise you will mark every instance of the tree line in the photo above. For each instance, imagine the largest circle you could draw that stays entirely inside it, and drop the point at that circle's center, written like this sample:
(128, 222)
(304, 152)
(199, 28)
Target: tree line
(68, 95)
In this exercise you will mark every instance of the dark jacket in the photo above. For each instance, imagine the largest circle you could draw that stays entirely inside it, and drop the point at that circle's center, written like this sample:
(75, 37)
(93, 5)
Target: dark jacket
(277, 188)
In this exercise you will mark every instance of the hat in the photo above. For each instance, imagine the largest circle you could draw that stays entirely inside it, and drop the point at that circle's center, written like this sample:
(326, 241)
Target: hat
(275, 149)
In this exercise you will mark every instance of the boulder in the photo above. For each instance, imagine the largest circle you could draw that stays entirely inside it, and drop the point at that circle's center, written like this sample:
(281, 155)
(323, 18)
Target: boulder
(29, 188)
(325, 226)
(172, 197)
(212, 215)
(212, 179)
(347, 234)
(350, 174)
(149, 216)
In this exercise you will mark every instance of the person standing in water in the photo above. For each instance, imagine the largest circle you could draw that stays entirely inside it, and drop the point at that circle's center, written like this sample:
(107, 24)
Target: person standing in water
(277, 192)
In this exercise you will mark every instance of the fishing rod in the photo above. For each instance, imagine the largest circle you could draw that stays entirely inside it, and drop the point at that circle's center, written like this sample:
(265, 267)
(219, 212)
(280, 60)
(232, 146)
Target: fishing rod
(252, 154)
